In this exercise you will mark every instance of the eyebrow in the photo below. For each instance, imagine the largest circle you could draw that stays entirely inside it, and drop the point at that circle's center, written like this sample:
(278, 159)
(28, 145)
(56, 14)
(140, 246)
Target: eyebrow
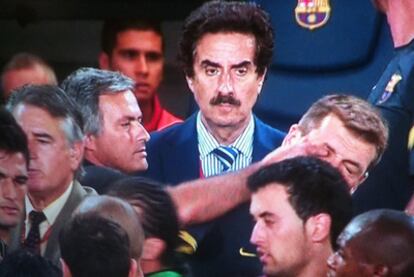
(267, 214)
(214, 64)
(130, 118)
(209, 63)
(22, 178)
(242, 64)
(43, 135)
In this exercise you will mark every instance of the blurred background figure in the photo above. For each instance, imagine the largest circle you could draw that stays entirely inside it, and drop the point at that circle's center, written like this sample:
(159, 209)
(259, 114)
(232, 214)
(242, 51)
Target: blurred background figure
(376, 243)
(14, 162)
(25, 68)
(24, 263)
(121, 213)
(159, 219)
(136, 49)
(93, 245)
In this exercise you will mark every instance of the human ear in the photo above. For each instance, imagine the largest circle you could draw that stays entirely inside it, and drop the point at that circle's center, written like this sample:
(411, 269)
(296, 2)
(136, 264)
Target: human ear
(293, 135)
(65, 268)
(133, 269)
(190, 83)
(153, 248)
(76, 154)
(319, 227)
(103, 61)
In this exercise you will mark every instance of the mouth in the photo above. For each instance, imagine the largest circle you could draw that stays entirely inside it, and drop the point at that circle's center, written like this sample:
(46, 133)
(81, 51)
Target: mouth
(141, 151)
(331, 273)
(10, 209)
(33, 172)
(262, 256)
(142, 86)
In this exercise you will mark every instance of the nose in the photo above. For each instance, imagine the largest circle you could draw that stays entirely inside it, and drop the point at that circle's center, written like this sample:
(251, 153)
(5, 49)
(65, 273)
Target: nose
(257, 234)
(226, 84)
(32, 149)
(141, 66)
(140, 133)
(8, 189)
(332, 261)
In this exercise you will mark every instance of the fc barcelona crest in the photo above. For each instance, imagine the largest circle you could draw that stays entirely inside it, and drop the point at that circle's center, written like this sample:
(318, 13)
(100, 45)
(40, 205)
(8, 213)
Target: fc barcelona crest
(312, 14)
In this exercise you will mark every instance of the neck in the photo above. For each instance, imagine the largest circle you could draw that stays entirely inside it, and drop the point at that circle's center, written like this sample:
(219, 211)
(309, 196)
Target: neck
(318, 262)
(147, 109)
(5, 234)
(40, 200)
(225, 135)
(90, 157)
(400, 15)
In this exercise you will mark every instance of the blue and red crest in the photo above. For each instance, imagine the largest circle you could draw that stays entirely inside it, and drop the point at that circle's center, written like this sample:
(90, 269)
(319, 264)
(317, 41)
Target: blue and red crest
(312, 14)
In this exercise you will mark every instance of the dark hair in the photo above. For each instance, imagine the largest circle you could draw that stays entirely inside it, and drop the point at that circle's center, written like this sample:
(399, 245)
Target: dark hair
(119, 211)
(112, 27)
(314, 187)
(384, 237)
(92, 245)
(85, 85)
(357, 115)
(12, 138)
(24, 263)
(158, 214)
(227, 17)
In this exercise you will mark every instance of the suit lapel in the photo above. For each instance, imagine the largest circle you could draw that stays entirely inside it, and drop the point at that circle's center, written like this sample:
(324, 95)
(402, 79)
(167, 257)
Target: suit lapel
(265, 140)
(182, 161)
(77, 194)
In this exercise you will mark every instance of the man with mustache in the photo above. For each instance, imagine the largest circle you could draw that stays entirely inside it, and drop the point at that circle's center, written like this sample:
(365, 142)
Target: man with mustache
(14, 161)
(225, 50)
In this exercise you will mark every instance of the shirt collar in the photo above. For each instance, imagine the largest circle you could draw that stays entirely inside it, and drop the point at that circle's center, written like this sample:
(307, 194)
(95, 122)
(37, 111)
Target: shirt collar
(208, 143)
(53, 209)
(152, 125)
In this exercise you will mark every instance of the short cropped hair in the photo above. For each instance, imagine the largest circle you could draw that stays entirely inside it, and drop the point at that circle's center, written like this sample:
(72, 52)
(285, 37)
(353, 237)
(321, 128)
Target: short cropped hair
(157, 212)
(112, 27)
(119, 211)
(227, 17)
(384, 237)
(26, 60)
(313, 186)
(12, 139)
(85, 85)
(357, 115)
(92, 245)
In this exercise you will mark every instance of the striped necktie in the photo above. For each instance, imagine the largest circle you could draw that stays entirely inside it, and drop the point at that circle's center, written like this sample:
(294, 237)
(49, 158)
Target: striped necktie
(226, 156)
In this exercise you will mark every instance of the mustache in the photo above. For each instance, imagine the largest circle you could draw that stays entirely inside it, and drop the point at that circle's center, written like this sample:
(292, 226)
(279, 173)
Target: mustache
(225, 99)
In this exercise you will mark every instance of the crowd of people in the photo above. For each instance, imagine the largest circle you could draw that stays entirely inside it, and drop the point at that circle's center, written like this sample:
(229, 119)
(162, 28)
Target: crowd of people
(98, 179)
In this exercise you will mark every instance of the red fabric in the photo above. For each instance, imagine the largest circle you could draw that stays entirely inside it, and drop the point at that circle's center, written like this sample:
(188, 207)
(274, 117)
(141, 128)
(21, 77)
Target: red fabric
(161, 118)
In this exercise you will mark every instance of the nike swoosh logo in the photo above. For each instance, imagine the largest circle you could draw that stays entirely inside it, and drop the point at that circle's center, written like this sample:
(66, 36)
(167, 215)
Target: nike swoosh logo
(245, 253)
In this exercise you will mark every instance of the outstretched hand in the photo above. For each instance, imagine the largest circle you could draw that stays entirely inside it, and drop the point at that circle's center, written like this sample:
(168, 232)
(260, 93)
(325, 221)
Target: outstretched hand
(302, 148)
